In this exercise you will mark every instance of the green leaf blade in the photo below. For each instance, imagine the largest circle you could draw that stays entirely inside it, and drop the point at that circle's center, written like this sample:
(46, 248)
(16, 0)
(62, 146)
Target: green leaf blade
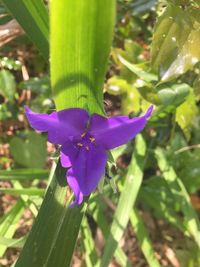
(78, 63)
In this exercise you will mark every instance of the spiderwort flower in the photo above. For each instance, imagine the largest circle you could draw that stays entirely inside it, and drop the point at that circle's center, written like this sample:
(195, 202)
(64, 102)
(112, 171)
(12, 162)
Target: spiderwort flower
(85, 141)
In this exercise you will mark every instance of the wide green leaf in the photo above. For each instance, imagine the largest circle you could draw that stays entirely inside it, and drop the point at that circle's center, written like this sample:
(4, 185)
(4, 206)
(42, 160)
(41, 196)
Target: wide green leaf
(80, 43)
(32, 15)
(50, 241)
(79, 51)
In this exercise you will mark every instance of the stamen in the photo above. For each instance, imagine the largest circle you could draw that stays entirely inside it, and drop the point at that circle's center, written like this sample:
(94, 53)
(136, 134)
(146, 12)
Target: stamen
(79, 144)
(87, 147)
(92, 139)
(83, 134)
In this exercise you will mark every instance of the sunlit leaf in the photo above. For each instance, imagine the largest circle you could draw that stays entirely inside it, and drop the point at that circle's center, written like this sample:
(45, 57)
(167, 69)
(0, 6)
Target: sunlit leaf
(175, 46)
(143, 75)
(117, 86)
(7, 85)
(186, 113)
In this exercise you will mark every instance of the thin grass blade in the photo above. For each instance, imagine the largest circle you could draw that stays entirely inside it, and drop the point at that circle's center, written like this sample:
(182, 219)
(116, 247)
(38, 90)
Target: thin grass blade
(143, 238)
(8, 224)
(126, 201)
(100, 219)
(24, 191)
(91, 257)
(24, 174)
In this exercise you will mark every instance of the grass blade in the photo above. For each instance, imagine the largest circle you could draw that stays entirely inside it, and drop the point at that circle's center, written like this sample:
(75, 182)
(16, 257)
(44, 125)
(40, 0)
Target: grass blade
(91, 257)
(12, 242)
(126, 201)
(24, 174)
(100, 219)
(24, 191)
(8, 223)
(143, 238)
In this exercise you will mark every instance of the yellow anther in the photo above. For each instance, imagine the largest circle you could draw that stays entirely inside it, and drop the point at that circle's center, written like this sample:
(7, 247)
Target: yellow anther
(92, 139)
(79, 144)
(87, 147)
(83, 134)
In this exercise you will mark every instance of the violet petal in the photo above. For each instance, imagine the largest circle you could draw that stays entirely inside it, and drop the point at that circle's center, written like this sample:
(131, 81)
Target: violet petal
(117, 130)
(71, 179)
(88, 167)
(59, 125)
(69, 153)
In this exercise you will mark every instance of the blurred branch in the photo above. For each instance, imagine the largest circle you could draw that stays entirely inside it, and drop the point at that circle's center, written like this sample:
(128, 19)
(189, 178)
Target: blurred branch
(187, 148)
(10, 31)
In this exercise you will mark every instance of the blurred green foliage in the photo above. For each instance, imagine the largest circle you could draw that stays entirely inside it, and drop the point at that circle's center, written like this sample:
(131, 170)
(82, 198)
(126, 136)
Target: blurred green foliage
(154, 59)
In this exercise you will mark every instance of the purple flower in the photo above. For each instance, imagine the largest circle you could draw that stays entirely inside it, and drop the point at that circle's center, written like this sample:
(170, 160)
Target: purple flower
(84, 142)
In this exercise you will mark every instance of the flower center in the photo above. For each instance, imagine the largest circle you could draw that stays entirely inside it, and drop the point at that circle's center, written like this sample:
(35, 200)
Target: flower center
(86, 141)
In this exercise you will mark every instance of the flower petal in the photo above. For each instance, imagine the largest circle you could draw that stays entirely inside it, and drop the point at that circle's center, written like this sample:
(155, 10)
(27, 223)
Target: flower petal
(75, 188)
(115, 131)
(69, 153)
(59, 125)
(88, 167)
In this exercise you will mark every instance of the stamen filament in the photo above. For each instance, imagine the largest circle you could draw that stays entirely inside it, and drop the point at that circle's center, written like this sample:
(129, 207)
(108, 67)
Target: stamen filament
(79, 144)
(83, 134)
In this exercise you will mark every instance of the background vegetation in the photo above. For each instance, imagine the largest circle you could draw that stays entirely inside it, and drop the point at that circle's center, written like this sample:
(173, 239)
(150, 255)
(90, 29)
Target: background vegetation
(151, 220)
